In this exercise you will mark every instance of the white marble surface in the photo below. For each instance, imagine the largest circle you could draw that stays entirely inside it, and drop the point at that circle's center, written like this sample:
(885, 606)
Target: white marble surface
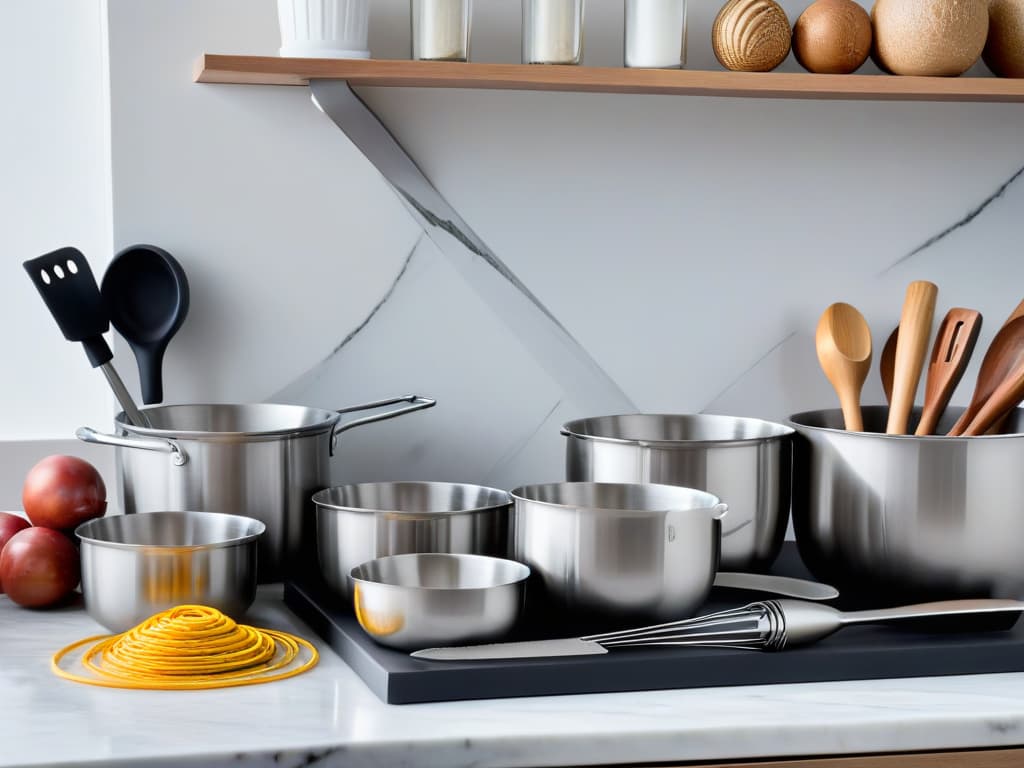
(329, 718)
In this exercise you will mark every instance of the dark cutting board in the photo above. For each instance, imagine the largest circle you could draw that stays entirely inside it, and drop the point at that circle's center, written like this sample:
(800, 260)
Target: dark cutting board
(857, 653)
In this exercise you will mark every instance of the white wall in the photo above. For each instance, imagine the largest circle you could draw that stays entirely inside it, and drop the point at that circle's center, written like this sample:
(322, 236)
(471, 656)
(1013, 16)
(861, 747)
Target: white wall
(55, 191)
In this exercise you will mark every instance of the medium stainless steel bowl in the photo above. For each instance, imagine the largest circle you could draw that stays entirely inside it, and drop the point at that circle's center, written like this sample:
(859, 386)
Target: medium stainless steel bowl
(134, 566)
(620, 549)
(361, 522)
(422, 600)
(905, 517)
(745, 462)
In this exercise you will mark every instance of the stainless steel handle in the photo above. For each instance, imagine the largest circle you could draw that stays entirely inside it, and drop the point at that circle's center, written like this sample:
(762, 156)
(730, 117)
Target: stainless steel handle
(131, 410)
(950, 608)
(178, 456)
(418, 403)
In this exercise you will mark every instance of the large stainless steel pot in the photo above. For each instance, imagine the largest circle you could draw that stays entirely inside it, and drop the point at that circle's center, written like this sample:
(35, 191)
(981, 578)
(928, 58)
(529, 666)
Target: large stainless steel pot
(620, 550)
(365, 521)
(745, 462)
(904, 516)
(263, 461)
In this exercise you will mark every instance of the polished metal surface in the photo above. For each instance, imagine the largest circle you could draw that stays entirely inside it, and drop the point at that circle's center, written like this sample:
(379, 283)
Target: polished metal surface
(529, 649)
(552, 31)
(361, 522)
(784, 586)
(262, 460)
(745, 462)
(441, 29)
(906, 517)
(771, 625)
(134, 566)
(620, 550)
(410, 601)
(655, 34)
(124, 397)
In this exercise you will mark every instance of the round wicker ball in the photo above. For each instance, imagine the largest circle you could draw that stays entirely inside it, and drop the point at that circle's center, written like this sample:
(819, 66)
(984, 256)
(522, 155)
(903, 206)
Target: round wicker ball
(832, 37)
(1004, 52)
(929, 37)
(751, 35)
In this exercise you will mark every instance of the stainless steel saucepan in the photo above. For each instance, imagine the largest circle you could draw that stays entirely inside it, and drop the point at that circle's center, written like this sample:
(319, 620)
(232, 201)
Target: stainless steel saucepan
(263, 461)
(619, 549)
(745, 462)
(364, 521)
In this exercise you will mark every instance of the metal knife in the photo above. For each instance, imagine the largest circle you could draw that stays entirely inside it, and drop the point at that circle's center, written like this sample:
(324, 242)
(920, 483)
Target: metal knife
(533, 649)
(778, 585)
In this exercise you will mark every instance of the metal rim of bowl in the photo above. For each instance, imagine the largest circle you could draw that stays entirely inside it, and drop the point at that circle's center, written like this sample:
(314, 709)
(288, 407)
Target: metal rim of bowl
(318, 499)
(517, 494)
(796, 420)
(523, 569)
(779, 431)
(322, 421)
(81, 531)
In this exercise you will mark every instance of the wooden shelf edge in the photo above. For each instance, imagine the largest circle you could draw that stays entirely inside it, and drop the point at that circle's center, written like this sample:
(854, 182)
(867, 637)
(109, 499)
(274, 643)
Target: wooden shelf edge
(272, 70)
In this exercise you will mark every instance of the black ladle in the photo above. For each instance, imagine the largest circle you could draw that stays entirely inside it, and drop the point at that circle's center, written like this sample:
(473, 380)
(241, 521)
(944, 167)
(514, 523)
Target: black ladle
(146, 294)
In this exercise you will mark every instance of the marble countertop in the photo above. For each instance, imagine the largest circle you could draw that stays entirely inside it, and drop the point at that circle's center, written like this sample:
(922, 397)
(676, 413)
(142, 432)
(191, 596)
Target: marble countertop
(328, 717)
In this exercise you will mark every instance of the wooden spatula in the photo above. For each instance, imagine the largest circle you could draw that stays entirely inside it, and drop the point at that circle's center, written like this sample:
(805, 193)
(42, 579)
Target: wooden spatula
(958, 333)
(911, 350)
(1003, 358)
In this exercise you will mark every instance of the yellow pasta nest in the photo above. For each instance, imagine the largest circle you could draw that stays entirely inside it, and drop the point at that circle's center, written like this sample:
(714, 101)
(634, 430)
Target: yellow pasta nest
(188, 647)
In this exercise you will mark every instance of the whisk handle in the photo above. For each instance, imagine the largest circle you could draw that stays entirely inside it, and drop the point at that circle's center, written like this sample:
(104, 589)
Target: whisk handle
(804, 622)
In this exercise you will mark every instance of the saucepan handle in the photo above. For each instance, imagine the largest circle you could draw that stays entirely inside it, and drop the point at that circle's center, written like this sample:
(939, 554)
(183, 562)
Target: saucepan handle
(178, 456)
(416, 403)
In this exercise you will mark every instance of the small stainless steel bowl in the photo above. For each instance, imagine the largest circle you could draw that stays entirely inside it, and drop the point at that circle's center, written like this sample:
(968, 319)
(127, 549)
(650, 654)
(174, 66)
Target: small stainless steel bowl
(429, 599)
(360, 522)
(136, 565)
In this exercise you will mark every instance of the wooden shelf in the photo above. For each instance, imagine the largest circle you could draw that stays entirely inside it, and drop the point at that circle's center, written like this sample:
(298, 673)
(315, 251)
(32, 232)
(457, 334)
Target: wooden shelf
(272, 70)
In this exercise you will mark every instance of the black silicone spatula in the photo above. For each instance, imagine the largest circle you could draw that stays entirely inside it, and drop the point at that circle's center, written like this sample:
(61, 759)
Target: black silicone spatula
(69, 289)
(145, 291)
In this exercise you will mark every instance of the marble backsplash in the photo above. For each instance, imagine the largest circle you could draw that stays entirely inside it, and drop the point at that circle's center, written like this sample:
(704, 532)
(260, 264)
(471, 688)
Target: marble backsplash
(678, 251)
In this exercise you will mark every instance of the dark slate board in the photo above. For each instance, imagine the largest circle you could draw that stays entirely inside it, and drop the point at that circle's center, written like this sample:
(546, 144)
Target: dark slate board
(857, 653)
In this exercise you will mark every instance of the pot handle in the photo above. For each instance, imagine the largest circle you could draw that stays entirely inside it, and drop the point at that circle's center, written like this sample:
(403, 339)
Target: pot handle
(178, 456)
(417, 403)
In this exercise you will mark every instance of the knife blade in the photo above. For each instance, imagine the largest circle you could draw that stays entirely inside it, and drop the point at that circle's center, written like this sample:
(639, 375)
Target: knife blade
(778, 585)
(532, 649)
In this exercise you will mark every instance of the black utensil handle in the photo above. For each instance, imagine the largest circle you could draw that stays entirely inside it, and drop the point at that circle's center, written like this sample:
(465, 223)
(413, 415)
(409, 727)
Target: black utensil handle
(150, 361)
(97, 350)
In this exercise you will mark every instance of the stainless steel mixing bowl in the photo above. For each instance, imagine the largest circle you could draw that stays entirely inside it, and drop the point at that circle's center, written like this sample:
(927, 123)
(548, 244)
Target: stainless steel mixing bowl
(906, 517)
(136, 565)
(423, 600)
(745, 462)
(618, 549)
(357, 523)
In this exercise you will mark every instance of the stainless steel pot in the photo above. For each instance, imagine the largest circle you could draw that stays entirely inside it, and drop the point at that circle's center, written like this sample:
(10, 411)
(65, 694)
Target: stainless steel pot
(134, 566)
(362, 522)
(745, 462)
(260, 460)
(621, 550)
(904, 516)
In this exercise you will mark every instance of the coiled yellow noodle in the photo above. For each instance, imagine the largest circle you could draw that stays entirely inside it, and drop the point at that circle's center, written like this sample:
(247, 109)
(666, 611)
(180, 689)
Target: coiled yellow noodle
(188, 647)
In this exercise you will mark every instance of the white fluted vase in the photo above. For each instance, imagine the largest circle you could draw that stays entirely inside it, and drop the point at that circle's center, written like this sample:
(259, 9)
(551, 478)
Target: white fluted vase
(326, 29)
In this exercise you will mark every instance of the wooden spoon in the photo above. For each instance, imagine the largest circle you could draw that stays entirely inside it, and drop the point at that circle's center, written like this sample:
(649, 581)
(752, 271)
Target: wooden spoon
(997, 428)
(887, 363)
(958, 333)
(843, 340)
(1002, 359)
(911, 349)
